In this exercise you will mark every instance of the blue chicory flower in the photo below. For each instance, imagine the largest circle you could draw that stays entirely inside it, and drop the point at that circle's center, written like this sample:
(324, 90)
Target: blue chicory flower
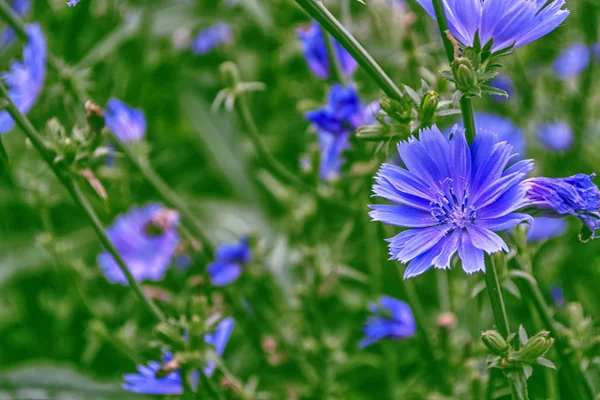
(315, 52)
(572, 61)
(558, 296)
(72, 3)
(543, 228)
(127, 124)
(146, 382)
(503, 82)
(556, 136)
(26, 80)
(576, 195)
(504, 128)
(229, 260)
(392, 319)
(209, 38)
(146, 238)
(334, 123)
(21, 8)
(506, 22)
(451, 197)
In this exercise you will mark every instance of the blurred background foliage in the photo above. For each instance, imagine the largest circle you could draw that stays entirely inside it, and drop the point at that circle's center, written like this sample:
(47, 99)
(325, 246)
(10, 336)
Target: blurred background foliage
(317, 265)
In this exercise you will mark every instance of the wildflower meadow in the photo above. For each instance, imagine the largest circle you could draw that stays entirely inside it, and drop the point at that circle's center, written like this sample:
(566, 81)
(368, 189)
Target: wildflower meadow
(299, 199)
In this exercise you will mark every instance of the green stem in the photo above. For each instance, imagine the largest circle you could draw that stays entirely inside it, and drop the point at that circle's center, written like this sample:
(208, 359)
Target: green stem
(168, 195)
(466, 106)
(66, 179)
(335, 69)
(496, 299)
(443, 290)
(319, 12)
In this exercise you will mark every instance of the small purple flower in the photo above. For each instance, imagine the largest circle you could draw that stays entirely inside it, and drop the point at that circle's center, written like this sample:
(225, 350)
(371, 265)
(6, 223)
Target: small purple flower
(127, 124)
(451, 198)
(576, 195)
(315, 52)
(392, 319)
(543, 228)
(26, 80)
(506, 22)
(146, 238)
(503, 82)
(21, 8)
(229, 260)
(558, 296)
(73, 3)
(334, 123)
(146, 382)
(209, 38)
(572, 61)
(556, 136)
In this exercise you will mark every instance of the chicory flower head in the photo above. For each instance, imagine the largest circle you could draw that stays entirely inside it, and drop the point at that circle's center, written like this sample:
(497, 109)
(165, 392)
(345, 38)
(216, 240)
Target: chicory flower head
(146, 238)
(451, 197)
(146, 382)
(21, 8)
(392, 319)
(26, 79)
(334, 123)
(572, 61)
(229, 260)
(503, 82)
(556, 136)
(544, 228)
(127, 124)
(506, 22)
(576, 195)
(211, 37)
(315, 52)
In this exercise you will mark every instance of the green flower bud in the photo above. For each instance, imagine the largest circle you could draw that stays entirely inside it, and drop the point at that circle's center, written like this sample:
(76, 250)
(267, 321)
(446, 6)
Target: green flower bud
(428, 108)
(400, 111)
(465, 75)
(536, 347)
(230, 74)
(495, 343)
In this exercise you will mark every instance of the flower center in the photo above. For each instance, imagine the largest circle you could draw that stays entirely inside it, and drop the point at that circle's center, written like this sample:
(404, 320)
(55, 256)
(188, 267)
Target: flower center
(448, 208)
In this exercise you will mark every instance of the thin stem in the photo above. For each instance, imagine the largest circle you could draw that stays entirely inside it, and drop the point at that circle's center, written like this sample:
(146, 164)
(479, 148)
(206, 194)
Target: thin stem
(466, 106)
(496, 299)
(443, 290)
(319, 12)
(168, 195)
(335, 69)
(12, 19)
(66, 179)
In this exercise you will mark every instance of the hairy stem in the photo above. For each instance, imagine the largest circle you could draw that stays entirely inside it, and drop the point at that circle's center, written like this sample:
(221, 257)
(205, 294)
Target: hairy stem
(319, 12)
(79, 198)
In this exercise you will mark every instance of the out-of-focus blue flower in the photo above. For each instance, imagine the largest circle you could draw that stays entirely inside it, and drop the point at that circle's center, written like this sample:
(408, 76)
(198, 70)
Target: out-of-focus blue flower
(26, 80)
(146, 382)
(572, 61)
(576, 195)
(128, 124)
(556, 136)
(229, 260)
(504, 128)
(451, 197)
(315, 52)
(558, 296)
(503, 82)
(146, 238)
(73, 3)
(506, 22)
(334, 123)
(21, 8)
(210, 38)
(543, 228)
(218, 340)
(393, 319)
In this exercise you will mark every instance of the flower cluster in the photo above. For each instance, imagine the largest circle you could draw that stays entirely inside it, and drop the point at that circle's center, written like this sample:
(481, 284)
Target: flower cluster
(26, 80)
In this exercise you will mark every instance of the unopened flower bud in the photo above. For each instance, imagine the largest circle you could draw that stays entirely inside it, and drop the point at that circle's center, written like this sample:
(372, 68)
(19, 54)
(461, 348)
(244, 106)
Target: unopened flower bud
(536, 347)
(466, 77)
(428, 108)
(230, 74)
(495, 343)
(168, 333)
(398, 110)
